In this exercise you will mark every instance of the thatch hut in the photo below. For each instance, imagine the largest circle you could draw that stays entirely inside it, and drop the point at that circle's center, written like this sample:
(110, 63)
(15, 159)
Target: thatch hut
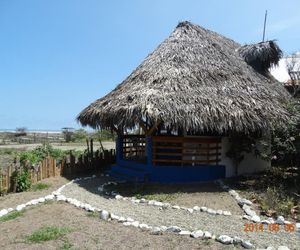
(196, 89)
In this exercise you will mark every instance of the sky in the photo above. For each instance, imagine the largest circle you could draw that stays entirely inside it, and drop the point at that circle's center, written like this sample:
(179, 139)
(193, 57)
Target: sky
(58, 56)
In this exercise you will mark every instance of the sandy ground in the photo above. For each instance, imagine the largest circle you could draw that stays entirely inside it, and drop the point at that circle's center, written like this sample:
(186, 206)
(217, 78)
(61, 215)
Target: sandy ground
(189, 195)
(89, 232)
(14, 199)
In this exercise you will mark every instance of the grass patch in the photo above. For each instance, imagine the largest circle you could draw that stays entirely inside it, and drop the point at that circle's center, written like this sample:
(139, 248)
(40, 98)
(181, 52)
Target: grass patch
(163, 197)
(12, 216)
(67, 245)
(47, 233)
(92, 214)
(40, 186)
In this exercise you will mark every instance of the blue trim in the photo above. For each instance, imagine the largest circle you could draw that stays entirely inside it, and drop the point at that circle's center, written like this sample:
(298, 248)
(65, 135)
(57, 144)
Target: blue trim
(119, 149)
(130, 170)
(149, 153)
(180, 174)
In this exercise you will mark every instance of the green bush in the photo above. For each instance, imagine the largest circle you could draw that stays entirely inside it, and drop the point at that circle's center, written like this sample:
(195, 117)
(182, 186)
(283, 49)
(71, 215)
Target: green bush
(286, 141)
(39, 153)
(23, 181)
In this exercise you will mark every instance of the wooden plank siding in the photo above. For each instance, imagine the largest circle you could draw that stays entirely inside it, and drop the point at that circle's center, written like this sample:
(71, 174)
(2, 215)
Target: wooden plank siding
(186, 150)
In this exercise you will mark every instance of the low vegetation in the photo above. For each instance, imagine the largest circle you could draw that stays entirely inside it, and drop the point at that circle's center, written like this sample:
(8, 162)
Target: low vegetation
(163, 193)
(12, 216)
(40, 186)
(47, 233)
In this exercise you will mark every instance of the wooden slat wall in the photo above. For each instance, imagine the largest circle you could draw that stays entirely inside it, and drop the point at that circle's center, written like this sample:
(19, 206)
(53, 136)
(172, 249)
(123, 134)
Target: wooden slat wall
(49, 167)
(134, 146)
(186, 151)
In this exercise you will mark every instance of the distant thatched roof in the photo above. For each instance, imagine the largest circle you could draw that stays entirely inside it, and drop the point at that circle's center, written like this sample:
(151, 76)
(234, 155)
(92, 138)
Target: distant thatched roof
(196, 79)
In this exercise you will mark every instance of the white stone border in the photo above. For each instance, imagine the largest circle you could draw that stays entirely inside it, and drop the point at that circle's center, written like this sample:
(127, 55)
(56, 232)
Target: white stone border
(161, 205)
(105, 215)
(250, 214)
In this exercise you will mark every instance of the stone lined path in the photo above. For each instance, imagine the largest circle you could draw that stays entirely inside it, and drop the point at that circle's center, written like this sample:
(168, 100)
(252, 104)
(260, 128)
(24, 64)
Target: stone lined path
(87, 191)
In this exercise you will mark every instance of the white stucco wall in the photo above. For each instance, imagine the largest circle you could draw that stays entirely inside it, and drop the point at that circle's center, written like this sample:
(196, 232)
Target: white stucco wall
(250, 164)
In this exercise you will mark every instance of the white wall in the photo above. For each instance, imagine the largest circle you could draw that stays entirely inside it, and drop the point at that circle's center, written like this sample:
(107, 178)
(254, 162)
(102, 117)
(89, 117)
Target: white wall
(250, 164)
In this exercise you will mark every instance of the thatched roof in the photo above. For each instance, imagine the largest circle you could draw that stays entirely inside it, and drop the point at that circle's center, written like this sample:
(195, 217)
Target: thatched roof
(198, 80)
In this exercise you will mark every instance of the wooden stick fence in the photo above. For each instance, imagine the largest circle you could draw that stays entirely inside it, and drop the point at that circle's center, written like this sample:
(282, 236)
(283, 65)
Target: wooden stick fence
(50, 167)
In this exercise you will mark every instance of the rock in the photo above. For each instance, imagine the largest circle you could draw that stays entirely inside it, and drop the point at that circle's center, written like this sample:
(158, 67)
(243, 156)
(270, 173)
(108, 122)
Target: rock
(10, 209)
(100, 189)
(271, 220)
(190, 210)
(173, 229)
(3, 212)
(196, 208)
(34, 202)
(61, 198)
(283, 248)
(104, 215)
(225, 239)
(298, 226)
(203, 209)
(197, 234)
(211, 211)
(158, 204)
(94, 176)
(255, 218)
(166, 205)
(118, 197)
(184, 232)
(207, 235)
(243, 201)
(265, 222)
(227, 213)
(237, 240)
(246, 217)
(143, 200)
(163, 228)
(176, 207)
(280, 220)
(144, 226)
(245, 207)
(41, 200)
(213, 237)
(271, 248)
(156, 231)
(250, 212)
(219, 212)
(135, 224)
(130, 219)
(114, 217)
(20, 207)
(126, 223)
(247, 244)
(232, 192)
(49, 197)
(122, 219)
(151, 202)
(135, 201)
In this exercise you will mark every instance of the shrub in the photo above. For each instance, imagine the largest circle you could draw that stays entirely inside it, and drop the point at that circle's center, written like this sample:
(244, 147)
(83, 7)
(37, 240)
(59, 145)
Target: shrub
(23, 181)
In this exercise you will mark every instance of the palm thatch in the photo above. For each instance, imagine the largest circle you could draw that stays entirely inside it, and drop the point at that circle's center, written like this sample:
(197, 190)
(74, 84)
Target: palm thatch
(261, 56)
(197, 80)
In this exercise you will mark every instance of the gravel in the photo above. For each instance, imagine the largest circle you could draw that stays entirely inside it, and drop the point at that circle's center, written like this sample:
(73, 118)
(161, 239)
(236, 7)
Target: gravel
(86, 191)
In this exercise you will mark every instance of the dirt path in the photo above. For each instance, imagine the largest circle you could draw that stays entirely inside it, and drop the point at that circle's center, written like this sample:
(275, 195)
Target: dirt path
(89, 233)
(86, 191)
(14, 199)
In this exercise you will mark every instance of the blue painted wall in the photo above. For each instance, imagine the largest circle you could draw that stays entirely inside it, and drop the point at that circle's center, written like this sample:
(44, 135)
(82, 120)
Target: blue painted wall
(166, 174)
